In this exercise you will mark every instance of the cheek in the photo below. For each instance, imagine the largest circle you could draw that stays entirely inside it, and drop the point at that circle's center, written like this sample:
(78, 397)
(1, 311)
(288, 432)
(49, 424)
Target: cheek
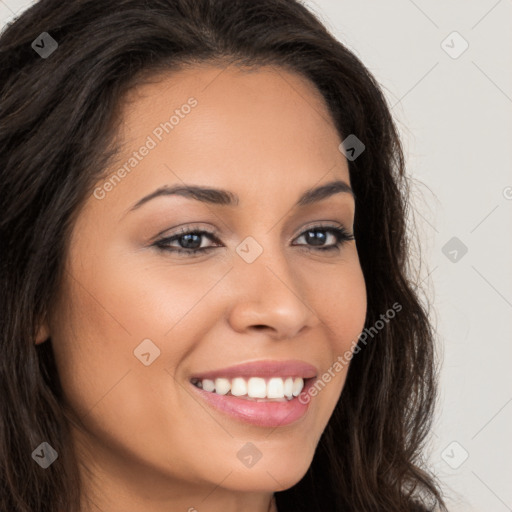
(338, 297)
(345, 314)
(123, 402)
(112, 308)
(154, 294)
(91, 346)
(340, 301)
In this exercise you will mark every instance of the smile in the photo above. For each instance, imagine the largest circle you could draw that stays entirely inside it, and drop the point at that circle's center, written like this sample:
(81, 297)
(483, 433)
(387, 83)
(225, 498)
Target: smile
(261, 393)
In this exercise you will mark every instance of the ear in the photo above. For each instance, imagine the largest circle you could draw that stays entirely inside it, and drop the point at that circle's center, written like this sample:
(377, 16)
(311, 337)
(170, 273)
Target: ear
(43, 333)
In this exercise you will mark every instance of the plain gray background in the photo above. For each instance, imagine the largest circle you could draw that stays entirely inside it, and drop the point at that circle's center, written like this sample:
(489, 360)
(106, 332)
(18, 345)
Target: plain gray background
(453, 106)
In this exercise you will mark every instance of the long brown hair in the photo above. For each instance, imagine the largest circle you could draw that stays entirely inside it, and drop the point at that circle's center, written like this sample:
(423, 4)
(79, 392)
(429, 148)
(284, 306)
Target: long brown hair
(57, 131)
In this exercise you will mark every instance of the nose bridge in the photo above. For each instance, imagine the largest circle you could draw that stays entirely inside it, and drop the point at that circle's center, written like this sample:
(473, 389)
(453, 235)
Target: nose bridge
(263, 262)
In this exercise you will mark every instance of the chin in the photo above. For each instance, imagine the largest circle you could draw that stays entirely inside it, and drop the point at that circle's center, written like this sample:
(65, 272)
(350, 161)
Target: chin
(278, 474)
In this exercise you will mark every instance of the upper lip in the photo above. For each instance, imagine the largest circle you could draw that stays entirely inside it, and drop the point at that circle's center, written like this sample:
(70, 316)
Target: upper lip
(268, 368)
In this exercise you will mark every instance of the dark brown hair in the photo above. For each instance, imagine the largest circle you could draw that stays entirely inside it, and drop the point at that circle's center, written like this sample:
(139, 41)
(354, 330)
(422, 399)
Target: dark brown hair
(57, 126)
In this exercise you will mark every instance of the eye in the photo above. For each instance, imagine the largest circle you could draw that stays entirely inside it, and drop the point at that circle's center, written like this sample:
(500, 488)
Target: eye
(189, 240)
(316, 236)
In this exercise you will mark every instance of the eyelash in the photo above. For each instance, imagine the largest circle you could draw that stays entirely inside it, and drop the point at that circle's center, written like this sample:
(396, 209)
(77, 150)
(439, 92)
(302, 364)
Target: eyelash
(341, 234)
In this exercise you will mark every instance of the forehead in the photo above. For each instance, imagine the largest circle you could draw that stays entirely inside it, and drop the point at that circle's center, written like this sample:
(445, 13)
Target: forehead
(247, 130)
(226, 88)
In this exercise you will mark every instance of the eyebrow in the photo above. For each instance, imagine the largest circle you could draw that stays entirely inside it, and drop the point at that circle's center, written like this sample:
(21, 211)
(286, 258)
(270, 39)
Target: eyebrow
(226, 198)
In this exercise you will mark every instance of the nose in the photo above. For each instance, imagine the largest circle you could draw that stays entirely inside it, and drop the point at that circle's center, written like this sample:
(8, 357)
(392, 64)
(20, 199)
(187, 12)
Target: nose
(270, 297)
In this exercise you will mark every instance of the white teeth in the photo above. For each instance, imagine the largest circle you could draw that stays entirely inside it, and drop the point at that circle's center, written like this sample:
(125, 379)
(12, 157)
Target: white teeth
(275, 388)
(222, 386)
(288, 387)
(255, 387)
(298, 384)
(208, 385)
(239, 387)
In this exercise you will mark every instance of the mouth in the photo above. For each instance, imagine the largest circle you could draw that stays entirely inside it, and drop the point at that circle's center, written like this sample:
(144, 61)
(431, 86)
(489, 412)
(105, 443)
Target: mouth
(266, 393)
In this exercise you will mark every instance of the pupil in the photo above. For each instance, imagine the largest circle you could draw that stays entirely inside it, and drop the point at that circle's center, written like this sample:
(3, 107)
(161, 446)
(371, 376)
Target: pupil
(317, 239)
(187, 240)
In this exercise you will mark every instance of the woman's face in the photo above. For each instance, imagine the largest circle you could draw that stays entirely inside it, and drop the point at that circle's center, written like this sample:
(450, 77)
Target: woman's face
(137, 323)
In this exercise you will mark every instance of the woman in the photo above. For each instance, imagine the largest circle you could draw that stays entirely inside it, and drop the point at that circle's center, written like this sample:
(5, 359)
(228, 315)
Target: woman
(206, 303)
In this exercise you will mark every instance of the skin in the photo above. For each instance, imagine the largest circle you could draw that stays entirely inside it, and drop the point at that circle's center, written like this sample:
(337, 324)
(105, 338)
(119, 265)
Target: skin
(146, 442)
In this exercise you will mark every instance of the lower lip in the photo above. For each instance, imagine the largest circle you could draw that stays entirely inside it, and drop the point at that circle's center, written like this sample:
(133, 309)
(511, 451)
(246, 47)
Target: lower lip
(262, 414)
